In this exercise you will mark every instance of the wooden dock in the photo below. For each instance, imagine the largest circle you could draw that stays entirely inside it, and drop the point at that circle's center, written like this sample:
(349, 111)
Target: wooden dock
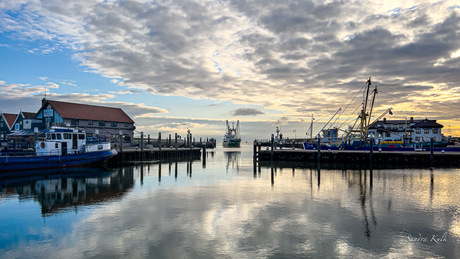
(155, 154)
(351, 157)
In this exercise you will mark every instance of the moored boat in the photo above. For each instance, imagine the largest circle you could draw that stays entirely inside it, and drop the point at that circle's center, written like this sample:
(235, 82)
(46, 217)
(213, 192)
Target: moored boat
(232, 137)
(62, 147)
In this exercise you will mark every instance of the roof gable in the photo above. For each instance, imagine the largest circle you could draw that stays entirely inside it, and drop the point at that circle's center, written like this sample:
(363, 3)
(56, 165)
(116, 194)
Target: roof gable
(10, 119)
(89, 112)
(29, 115)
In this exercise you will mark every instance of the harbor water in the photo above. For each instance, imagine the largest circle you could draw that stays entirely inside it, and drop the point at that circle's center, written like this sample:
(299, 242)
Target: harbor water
(228, 207)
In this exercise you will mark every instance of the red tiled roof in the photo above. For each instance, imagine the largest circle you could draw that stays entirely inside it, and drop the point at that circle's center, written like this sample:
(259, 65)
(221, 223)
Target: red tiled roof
(29, 115)
(10, 118)
(89, 112)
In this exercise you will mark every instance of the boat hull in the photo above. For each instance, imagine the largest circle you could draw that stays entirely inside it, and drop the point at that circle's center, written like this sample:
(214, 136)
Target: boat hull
(232, 143)
(17, 163)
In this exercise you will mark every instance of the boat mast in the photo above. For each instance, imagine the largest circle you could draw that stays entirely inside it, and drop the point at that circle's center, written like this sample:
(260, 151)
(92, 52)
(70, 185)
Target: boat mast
(311, 128)
(363, 115)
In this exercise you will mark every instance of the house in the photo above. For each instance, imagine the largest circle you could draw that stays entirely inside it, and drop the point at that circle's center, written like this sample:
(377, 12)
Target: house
(412, 131)
(25, 121)
(106, 122)
(23, 129)
(6, 124)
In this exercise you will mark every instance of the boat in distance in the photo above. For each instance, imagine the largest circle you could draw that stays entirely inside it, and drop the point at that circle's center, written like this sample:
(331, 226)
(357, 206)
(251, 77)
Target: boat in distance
(62, 147)
(232, 136)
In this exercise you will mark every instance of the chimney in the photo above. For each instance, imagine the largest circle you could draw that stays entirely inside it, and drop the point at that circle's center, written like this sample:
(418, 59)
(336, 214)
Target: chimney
(411, 119)
(43, 102)
(384, 120)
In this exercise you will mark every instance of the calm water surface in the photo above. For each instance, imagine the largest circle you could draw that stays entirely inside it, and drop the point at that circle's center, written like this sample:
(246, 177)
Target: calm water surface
(226, 209)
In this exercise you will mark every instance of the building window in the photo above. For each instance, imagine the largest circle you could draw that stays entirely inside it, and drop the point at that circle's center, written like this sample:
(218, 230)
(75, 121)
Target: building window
(126, 125)
(417, 138)
(101, 123)
(435, 131)
(388, 135)
(114, 124)
(76, 122)
(426, 131)
(90, 122)
(16, 127)
(418, 131)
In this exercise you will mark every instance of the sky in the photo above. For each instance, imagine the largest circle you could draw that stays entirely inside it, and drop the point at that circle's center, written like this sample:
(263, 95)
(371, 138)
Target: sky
(179, 65)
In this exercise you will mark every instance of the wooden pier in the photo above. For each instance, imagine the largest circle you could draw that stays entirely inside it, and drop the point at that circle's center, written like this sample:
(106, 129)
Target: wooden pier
(389, 159)
(155, 154)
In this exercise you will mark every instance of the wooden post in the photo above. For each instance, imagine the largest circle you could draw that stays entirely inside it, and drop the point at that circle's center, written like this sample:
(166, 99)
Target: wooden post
(432, 151)
(272, 147)
(190, 141)
(142, 145)
(319, 148)
(204, 156)
(371, 150)
(121, 142)
(254, 155)
(175, 143)
(159, 141)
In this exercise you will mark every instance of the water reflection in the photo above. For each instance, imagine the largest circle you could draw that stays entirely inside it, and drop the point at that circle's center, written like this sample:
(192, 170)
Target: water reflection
(233, 160)
(70, 188)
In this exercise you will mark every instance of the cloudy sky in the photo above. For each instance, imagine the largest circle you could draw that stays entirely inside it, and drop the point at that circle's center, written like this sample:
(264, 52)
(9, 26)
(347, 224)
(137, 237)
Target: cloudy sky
(178, 65)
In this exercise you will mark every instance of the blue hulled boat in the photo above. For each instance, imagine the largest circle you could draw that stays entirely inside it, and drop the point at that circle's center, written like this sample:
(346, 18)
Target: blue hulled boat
(62, 147)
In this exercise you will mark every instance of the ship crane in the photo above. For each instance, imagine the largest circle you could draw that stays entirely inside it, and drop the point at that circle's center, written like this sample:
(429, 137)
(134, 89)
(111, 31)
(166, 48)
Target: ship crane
(365, 115)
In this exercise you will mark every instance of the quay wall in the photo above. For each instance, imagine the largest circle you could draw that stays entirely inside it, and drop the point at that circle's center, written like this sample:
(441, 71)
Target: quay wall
(388, 158)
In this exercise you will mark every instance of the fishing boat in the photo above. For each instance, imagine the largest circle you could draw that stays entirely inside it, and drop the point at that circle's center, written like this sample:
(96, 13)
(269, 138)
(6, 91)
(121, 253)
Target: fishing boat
(367, 132)
(232, 136)
(62, 147)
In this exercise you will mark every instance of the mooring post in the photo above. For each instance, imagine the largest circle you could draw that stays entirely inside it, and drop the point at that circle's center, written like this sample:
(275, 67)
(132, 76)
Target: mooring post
(254, 155)
(169, 140)
(204, 156)
(121, 143)
(142, 145)
(159, 141)
(175, 144)
(319, 148)
(272, 147)
(371, 150)
(432, 151)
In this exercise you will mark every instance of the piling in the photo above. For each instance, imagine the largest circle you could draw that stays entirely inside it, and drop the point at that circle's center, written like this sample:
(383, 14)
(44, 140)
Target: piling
(319, 148)
(142, 145)
(272, 152)
(159, 140)
(371, 151)
(204, 156)
(431, 151)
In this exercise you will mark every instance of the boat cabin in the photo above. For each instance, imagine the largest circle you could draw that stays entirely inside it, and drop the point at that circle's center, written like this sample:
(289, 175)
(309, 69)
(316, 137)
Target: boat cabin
(63, 141)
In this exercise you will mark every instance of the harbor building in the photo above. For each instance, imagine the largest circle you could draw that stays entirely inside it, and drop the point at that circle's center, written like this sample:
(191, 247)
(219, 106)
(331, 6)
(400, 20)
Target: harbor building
(411, 131)
(22, 131)
(105, 122)
(6, 124)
